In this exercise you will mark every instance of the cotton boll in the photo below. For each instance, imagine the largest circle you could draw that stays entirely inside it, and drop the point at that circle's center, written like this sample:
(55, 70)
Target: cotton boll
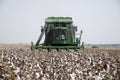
(72, 76)
(17, 77)
(44, 77)
(108, 68)
(90, 60)
(100, 62)
(17, 70)
(98, 78)
(27, 76)
(90, 74)
(37, 75)
(115, 72)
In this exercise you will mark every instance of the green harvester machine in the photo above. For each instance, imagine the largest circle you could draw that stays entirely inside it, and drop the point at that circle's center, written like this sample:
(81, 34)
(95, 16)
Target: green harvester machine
(60, 33)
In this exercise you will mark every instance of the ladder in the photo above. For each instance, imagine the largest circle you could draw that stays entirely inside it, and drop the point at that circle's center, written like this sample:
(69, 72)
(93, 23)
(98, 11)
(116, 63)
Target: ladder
(41, 35)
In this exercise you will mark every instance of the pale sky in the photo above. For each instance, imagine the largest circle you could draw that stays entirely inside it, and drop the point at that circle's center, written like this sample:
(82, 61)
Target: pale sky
(21, 20)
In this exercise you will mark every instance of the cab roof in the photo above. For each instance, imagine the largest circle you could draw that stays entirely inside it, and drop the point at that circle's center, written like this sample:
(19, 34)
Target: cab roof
(58, 20)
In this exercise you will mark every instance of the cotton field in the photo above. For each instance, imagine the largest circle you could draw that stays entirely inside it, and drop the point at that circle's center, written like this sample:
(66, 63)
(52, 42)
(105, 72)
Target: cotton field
(20, 63)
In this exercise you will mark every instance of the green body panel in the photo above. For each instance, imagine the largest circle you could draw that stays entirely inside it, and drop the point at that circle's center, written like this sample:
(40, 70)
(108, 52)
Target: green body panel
(58, 19)
(59, 42)
(55, 47)
(64, 42)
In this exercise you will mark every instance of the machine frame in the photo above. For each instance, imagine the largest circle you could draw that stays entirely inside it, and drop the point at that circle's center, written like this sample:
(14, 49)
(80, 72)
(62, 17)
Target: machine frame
(59, 34)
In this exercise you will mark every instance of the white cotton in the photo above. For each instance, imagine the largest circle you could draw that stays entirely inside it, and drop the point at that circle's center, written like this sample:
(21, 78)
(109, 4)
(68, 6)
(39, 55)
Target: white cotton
(72, 76)
(17, 70)
(44, 78)
(12, 64)
(37, 75)
(78, 65)
(98, 78)
(17, 78)
(94, 64)
(77, 70)
(37, 65)
(108, 68)
(114, 73)
(90, 74)
(41, 72)
(61, 60)
(90, 60)
(114, 65)
(22, 78)
(103, 76)
(100, 61)
(75, 57)
(81, 72)
(28, 76)
(1, 64)
(9, 62)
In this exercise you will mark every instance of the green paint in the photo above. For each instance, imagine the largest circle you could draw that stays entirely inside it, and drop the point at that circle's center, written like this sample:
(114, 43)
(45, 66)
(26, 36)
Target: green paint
(58, 19)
